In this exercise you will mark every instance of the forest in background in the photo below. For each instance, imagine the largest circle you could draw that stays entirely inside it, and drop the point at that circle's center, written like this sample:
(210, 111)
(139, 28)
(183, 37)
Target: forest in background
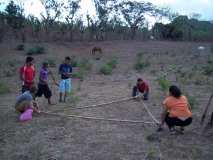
(115, 20)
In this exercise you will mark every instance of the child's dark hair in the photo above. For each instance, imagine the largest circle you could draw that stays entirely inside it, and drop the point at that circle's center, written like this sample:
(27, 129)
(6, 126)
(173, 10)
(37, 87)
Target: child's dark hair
(175, 91)
(139, 80)
(33, 89)
(29, 59)
(45, 64)
(67, 58)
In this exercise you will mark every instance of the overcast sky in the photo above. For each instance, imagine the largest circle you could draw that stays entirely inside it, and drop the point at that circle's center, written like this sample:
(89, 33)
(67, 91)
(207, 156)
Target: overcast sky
(204, 7)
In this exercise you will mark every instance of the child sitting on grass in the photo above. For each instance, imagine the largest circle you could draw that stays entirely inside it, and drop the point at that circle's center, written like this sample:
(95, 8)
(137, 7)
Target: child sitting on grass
(25, 102)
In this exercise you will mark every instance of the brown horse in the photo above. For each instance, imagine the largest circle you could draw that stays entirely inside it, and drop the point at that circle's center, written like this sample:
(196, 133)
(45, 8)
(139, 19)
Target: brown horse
(97, 52)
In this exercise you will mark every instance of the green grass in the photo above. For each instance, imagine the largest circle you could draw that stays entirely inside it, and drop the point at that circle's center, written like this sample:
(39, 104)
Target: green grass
(211, 48)
(163, 83)
(210, 59)
(20, 47)
(36, 50)
(208, 69)
(192, 100)
(141, 63)
(79, 86)
(106, 69)
(74, 61)
(140, 54)
(85, 64)
(51, 61)
(80, 74)
(73, 99)
(113, 62)
(4, 88)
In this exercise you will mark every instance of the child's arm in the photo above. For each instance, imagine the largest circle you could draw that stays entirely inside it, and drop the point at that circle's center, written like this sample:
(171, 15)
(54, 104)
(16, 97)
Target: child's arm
(35, 107)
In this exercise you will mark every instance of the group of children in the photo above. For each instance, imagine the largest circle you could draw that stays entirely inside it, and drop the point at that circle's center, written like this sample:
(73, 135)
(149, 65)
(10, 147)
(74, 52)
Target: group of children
(176, 109)
(25, 103)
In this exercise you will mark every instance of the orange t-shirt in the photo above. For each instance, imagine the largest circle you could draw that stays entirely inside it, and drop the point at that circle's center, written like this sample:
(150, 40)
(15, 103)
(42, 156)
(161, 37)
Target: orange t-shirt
(177, 107)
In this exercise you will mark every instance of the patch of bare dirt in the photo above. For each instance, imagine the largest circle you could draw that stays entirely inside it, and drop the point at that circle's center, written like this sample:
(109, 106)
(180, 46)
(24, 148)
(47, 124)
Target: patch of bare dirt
(49, 137)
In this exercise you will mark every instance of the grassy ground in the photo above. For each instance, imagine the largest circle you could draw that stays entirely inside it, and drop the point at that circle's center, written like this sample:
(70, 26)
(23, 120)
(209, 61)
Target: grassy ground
(59, 138)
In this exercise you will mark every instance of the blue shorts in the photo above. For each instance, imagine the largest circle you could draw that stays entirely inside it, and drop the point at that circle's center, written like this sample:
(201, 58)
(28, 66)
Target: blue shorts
(65, 85)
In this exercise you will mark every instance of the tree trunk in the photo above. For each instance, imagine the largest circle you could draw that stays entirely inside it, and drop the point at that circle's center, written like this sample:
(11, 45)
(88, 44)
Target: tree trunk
(23, 36)
(133, 31)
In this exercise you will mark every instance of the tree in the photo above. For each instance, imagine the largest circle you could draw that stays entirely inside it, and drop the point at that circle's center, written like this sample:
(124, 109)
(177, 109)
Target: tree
(103, 9)
(183, 28)
(15, 18)
(72, 7)
(2, 25)
(52, 12)
(92, 27)
(36, 26)
(81, 27)
(134, 13)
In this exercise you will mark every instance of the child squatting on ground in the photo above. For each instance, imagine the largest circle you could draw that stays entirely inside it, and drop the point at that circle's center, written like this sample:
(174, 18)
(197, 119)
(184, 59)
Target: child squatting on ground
(176, 111)
(141, 87)
(43, 87)
(26, 105)
(27, 74)
(65, 70)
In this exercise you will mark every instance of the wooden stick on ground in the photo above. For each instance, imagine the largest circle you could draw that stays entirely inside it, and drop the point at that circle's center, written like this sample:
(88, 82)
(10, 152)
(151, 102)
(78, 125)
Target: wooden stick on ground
(206, 109)
(97, 119)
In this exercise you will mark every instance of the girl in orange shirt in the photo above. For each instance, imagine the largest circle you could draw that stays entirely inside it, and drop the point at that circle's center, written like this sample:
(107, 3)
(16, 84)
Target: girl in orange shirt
(176, 111)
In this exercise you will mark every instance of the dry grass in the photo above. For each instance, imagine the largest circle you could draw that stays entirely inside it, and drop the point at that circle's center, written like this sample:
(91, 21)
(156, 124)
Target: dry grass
(54, 137)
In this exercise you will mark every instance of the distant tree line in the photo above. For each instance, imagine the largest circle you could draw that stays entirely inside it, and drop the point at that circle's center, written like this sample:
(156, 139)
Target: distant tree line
(184, 28)
(116, 20)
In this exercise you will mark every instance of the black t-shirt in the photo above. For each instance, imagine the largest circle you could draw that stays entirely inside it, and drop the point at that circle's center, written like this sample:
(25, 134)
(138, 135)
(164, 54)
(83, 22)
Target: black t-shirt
(65, 68)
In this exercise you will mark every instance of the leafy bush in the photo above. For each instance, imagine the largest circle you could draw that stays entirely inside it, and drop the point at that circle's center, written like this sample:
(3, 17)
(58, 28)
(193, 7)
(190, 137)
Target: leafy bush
(192, 101)
(211, 48)
(140, 54)
(20, 47)
(85, 64)
(141, 63)
(79, 75)
(73, 99)
(74, 62)
(113, 62)
(4, 88)
(51, 62)
(106, 69)
(208, 69)
(36, 50)
(210, 60)
(163, 83)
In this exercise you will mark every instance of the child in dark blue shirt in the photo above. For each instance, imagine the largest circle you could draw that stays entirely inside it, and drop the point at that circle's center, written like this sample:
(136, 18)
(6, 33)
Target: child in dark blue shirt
(65, 70)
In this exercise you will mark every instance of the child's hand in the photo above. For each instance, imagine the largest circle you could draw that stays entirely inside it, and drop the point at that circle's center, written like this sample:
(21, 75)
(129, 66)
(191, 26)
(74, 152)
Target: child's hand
(160, 128)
